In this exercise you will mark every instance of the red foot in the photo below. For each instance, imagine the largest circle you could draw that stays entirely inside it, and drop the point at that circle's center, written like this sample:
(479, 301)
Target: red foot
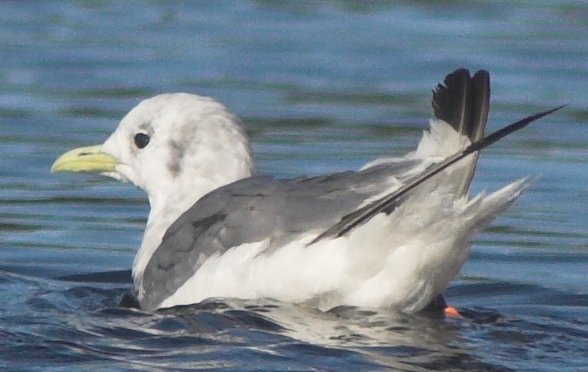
(451, 311)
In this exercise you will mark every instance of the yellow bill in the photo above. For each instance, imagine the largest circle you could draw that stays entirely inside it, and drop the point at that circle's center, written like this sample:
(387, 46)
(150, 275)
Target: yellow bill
(85, 159)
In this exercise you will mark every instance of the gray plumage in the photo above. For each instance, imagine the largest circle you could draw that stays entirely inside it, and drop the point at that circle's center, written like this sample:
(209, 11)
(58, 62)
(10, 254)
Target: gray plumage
(254, 209)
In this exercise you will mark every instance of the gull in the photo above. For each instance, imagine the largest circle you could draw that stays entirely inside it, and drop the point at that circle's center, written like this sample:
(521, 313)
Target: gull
(391, 234)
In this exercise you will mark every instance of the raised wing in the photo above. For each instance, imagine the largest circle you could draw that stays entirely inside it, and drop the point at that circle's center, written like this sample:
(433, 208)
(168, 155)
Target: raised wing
(463, 102)
(389, 202)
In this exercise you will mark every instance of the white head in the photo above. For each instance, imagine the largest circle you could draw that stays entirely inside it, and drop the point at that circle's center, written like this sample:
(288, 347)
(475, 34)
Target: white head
(175, 142)
(171, 143)
(177, 147)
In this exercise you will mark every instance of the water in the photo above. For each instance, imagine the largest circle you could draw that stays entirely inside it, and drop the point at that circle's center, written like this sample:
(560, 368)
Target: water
(321, 87)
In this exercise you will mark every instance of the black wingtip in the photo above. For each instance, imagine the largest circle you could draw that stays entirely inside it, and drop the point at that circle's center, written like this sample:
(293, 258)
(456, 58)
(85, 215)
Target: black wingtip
(463, 102)
(446, 94)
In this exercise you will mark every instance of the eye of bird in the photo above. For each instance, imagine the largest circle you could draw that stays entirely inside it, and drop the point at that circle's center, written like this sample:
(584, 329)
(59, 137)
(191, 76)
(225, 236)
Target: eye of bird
(141, 140)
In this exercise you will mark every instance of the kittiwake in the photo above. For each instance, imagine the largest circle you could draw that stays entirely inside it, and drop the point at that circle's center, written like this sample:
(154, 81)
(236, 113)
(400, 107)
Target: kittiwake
(391, 234)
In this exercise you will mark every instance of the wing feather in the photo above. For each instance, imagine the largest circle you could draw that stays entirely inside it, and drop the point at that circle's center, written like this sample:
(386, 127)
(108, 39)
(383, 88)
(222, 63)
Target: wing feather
(255, 209)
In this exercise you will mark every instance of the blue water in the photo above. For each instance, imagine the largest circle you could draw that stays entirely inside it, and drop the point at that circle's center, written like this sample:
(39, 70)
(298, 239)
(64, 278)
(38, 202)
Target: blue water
(321, 86)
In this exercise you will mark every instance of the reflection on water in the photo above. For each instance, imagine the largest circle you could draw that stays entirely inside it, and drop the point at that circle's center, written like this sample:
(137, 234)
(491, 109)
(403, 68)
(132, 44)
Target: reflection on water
(81, 323)
(321, 87)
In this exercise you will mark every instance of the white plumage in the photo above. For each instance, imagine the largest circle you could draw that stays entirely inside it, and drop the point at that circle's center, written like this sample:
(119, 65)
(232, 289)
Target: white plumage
(224, 239)
(402, 260)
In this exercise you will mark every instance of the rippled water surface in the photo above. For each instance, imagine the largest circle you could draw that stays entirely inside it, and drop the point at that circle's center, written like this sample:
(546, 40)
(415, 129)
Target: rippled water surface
(321, 86)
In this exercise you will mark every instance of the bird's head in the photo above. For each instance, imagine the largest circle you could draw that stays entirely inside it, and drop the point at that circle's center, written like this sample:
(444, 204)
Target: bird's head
(169, 143)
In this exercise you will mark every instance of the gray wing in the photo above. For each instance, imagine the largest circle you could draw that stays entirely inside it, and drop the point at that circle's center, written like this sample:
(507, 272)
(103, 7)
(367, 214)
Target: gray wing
(256, 209)
(463, 102)
(389, 202)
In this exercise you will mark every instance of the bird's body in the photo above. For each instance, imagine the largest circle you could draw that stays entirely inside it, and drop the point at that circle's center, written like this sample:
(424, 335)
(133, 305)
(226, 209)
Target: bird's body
(217, 230)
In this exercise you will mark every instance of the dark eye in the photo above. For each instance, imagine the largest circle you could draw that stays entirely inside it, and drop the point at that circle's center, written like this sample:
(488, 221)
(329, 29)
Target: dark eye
(141, 140)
